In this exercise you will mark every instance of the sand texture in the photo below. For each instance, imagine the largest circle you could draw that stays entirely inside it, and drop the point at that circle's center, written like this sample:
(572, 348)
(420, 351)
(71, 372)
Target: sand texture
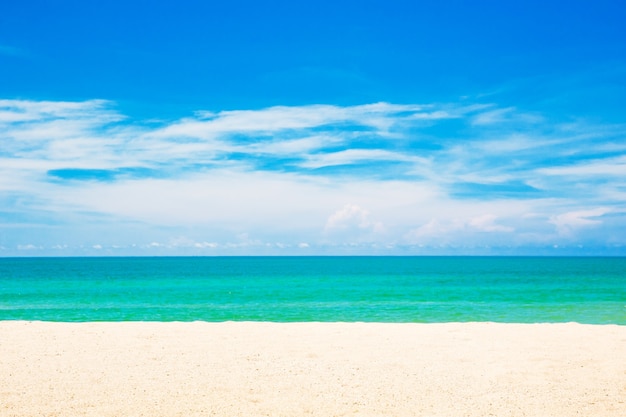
(311, 369)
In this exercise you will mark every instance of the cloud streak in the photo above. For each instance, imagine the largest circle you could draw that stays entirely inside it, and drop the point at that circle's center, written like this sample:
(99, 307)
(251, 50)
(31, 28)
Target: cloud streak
(308, 178)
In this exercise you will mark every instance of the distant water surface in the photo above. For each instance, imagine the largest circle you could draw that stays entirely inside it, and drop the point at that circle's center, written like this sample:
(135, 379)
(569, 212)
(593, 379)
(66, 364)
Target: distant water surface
(290, 289)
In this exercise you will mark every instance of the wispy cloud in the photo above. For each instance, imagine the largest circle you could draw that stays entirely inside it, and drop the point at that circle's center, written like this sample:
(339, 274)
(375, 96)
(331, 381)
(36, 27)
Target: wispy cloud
(567, 223)
(386, 174)
(601, 167)
(508, 115)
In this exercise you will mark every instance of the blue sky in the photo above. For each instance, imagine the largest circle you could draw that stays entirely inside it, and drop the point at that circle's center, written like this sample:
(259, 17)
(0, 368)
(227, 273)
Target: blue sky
(346, 127)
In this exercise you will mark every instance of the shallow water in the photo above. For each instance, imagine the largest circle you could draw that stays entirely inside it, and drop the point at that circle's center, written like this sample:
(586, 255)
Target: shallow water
(286, 289)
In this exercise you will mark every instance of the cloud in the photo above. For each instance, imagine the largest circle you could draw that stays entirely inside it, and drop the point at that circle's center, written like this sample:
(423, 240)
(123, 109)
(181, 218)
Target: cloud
(492, 116)
(606, 167)
(504, 115)
(435, 229)
(567, 223)
(486, 223)
(352, 156)
(379, 116)
(94, 112)
(447, 230)
(28, 247)
(384, 174)
(350, 216)
(354, 223)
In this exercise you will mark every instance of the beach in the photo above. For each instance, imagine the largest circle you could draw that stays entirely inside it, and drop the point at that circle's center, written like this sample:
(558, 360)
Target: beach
(311, 369)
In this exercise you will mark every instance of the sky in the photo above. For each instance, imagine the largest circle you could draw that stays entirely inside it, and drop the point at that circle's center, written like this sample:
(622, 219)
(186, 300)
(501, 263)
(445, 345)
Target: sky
(150, 128)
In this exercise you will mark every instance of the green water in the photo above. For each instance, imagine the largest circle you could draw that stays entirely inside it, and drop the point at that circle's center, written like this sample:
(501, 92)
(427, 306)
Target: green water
(286, 289)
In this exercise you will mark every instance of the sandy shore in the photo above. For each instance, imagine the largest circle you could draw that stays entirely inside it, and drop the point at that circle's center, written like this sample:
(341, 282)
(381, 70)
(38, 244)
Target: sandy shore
(333, 369)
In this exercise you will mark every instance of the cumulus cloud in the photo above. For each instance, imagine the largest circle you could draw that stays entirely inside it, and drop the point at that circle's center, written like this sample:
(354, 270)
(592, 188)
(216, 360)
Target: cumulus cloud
(353, 223)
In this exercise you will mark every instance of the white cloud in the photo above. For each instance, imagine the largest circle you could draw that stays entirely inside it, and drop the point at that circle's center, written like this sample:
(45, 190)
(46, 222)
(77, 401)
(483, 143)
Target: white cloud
(92, 111)
(445, 230)
(514, 142)
(28, 247)
(568, 222)
(380, 116)
(491, 117)
(605, 167)
(211, 245)
(351, 156)
(434, 228)
(504, 115)
(352, 222)
(257, 172)
(300, 146)
(486, 223)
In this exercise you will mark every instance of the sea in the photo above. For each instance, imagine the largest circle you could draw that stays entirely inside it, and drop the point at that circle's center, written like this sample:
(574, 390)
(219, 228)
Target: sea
(321, 289)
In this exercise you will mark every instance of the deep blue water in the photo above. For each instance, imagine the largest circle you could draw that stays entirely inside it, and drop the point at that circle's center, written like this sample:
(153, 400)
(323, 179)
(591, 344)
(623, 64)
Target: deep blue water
(285, 289)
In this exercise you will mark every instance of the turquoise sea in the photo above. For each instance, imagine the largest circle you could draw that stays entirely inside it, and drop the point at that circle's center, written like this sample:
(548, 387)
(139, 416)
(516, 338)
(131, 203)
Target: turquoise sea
(287, 289)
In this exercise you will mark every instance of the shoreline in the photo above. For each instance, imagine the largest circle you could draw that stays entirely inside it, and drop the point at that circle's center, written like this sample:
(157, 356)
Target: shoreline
(311, 368)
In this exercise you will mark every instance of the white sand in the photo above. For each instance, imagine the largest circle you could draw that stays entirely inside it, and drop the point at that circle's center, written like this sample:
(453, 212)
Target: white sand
(334, 369)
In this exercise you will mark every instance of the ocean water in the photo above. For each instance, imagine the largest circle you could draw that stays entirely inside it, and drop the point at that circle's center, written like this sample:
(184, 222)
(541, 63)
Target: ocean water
(291, 289)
